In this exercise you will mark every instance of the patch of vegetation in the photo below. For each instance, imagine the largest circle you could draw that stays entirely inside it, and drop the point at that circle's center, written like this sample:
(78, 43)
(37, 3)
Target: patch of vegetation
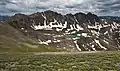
(27, 49)
(104, 61)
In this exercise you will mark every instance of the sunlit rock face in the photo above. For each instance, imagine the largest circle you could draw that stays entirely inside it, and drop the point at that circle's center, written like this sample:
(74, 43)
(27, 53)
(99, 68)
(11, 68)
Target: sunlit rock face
(81, 32)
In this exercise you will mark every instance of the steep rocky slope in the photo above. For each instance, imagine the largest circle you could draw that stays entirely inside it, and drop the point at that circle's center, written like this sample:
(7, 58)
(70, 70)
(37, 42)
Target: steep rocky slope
(82, 32)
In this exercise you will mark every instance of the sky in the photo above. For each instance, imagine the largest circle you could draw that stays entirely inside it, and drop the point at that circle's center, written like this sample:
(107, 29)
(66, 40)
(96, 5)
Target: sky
(98, 7)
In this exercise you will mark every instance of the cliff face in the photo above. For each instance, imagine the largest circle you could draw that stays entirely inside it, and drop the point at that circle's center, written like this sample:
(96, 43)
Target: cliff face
(82, 32)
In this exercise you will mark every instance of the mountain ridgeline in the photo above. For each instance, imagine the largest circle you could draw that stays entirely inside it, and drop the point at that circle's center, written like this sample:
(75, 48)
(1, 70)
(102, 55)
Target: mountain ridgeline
(79, 32)
(4, 18)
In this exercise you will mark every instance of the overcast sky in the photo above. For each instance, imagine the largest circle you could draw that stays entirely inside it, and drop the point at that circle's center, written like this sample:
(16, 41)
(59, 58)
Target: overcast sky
(99, 7)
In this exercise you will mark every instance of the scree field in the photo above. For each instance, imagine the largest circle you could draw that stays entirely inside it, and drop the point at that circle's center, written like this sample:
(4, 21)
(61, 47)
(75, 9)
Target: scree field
(101, 61)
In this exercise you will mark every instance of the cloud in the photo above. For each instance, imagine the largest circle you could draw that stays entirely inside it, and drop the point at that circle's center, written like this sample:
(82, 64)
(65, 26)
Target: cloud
(99, 7)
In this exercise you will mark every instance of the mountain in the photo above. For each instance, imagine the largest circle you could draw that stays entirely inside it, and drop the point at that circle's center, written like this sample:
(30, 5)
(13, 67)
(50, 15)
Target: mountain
(3, 18)
(74, 32)
(112, 18)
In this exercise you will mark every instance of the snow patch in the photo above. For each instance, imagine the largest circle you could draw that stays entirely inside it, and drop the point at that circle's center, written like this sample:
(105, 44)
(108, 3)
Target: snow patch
(77, 45)
(55, 41)
(57, 29)
(105, 32)
(49, 41)
(106, 22)
(73, 32)
(47, 34)
(76, 19)
(76, 38)
(71, 27)
(26, 31)
(71, 46)
(115, 24)
(58, 36)
(44, 16)
(42, 42)
(93, 47)
(22, 28)
(106, 26)
(79, 27)
(79, 35)
(105, 41)
(65, 25)
(84, 34)
(56, 25)
(97, 41)
(92, 27)
(95, 33)
(95, 27)
(51, 25)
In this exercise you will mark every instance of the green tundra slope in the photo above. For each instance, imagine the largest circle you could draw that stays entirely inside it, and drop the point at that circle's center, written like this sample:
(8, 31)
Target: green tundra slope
(12, 40)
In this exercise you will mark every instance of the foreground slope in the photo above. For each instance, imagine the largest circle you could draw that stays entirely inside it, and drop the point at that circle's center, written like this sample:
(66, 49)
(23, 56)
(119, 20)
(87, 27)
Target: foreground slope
(103, 61)
(12, 40)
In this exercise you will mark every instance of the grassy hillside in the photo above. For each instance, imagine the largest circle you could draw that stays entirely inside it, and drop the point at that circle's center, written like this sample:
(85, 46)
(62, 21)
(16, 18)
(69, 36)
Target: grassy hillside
(12, 40)
(104, 61)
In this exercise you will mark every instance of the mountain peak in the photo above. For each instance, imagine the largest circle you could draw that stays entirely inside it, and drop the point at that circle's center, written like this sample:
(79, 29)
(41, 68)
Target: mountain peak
(89, 13)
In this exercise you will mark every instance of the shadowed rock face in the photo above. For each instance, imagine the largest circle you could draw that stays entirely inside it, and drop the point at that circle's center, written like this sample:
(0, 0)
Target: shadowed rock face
(83, 32)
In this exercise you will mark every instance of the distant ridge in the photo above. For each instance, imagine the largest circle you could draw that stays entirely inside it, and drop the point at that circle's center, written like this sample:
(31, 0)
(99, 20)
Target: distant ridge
(4, 18)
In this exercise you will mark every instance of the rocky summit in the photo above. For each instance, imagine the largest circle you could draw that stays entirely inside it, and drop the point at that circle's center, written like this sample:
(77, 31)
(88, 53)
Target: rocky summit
(80, 32)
